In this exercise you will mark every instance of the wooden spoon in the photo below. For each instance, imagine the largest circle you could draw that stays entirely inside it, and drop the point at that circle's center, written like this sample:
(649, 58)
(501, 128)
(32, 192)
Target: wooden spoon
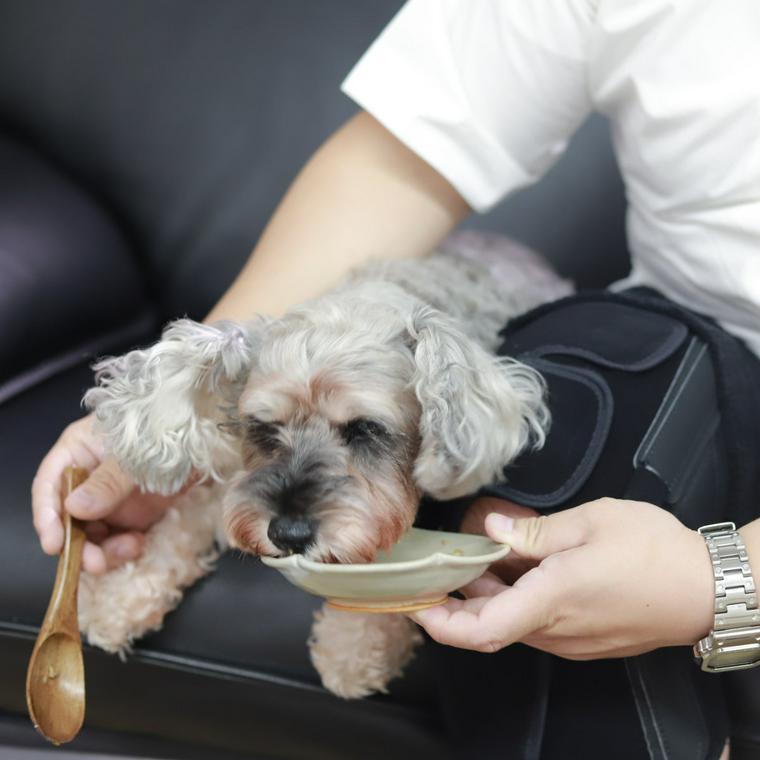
(55, 677)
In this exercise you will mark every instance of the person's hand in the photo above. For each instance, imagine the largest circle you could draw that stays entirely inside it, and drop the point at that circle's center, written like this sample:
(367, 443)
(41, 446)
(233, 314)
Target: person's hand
(610, 578)
(511, 567)
(116, 512)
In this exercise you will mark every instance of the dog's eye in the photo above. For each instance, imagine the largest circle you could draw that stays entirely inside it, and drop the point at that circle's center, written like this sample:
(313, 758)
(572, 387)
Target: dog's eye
(362, 430)
(262, 434)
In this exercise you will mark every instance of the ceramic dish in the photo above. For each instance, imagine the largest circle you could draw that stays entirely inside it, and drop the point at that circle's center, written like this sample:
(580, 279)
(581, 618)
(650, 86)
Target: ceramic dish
(418, 572)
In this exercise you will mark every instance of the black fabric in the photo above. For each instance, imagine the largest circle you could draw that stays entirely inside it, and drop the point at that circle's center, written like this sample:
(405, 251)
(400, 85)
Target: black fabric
(651, 361)
(583, 430)
(737, 375)
(742, 689)
(682, 709)
(631, 354)
(597, 688)
(629, 338)
(522, 704)
(494, 706)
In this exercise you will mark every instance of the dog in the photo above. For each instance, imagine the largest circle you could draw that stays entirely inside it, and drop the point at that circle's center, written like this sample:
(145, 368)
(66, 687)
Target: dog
(318, 433)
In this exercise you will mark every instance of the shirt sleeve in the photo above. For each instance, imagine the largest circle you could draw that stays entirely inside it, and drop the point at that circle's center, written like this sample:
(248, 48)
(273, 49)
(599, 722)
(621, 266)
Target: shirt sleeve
(488, 92)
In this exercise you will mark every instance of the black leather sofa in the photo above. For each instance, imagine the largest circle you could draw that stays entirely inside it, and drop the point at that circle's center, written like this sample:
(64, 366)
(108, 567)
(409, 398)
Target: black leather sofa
(143, 145)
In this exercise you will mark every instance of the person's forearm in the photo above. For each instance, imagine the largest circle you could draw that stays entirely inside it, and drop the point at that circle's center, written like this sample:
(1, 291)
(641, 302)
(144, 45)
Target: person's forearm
(362, 195)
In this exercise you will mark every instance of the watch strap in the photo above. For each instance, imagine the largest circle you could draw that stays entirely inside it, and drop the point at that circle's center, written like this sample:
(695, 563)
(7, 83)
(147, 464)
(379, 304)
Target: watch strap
(735, 638)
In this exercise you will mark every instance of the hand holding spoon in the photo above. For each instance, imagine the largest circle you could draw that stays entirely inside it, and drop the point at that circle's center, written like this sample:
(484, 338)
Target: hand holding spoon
(55, 677)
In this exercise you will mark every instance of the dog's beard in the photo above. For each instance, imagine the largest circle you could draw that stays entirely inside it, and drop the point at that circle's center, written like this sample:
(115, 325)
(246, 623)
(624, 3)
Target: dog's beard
(354, 522)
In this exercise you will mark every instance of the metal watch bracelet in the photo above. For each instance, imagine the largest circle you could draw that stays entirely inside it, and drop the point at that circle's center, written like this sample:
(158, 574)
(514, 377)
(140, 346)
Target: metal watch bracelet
(734, 642)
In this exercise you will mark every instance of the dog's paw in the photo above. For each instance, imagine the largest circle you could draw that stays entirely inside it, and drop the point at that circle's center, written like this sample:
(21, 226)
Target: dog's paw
(358, 654)
(130, 601)
(121, 606)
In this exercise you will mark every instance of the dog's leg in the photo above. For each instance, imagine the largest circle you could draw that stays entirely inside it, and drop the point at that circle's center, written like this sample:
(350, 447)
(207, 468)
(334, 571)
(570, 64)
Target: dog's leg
(357, 654)
(128, 602)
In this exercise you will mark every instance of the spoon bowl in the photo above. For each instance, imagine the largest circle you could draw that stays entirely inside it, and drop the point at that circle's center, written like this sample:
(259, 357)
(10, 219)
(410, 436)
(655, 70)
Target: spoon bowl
(55, 678)
(57, 672)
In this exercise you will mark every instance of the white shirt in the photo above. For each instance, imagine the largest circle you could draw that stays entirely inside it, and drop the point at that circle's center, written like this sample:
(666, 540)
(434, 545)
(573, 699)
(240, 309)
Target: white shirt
(489, 92)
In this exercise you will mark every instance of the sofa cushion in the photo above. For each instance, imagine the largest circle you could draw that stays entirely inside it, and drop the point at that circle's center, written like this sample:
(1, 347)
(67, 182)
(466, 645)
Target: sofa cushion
(69, 286)
(190, 120)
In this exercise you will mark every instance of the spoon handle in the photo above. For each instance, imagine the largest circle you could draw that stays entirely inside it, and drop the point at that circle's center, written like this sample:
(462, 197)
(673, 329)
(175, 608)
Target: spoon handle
(62, 611)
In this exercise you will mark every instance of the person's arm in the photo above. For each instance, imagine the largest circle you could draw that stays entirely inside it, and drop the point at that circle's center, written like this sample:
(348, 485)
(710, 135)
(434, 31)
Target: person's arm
(362, 195)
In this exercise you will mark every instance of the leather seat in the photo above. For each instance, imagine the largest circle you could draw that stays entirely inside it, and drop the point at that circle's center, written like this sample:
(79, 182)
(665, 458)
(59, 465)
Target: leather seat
(143, 146)
(69, 284)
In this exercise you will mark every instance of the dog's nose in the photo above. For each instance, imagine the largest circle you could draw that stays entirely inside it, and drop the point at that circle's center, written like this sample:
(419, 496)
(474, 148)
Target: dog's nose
(291, 534)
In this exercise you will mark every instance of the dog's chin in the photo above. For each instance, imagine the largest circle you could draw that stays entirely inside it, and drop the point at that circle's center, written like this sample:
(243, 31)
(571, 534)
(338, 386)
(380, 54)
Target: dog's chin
(339, 555)
(250, 541)
(345, 534)
(249, 535)
(349, 542)
(350, 547)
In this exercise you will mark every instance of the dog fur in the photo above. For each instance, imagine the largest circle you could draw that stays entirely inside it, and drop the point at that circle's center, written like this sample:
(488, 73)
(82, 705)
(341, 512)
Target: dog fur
(319, 432)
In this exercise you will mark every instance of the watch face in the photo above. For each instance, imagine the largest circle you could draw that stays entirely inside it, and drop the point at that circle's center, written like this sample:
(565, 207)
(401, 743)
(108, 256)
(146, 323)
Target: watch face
(736, 656)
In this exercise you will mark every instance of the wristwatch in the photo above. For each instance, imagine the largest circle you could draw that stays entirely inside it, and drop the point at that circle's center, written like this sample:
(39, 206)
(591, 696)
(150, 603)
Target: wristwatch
(734, 641)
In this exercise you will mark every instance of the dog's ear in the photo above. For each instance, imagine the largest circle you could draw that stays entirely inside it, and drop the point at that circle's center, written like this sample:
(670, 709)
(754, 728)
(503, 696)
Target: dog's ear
(159, 408)
(478, 411)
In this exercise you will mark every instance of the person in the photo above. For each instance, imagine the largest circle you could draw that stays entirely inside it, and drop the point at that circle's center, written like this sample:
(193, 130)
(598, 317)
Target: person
(462, 103)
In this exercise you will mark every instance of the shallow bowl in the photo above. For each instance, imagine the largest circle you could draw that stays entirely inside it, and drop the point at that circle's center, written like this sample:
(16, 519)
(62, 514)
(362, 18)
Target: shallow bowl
(417, 572)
